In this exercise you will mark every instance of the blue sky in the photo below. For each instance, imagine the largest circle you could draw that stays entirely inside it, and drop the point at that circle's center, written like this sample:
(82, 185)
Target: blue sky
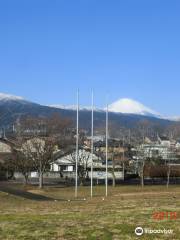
(127, 48)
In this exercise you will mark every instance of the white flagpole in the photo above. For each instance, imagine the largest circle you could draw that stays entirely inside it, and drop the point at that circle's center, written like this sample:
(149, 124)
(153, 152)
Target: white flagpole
(92, 143)
(123, 157)
(77, 146)
(107, 150)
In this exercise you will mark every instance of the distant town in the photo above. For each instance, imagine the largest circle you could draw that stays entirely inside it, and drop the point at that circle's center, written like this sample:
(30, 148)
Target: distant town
(43, 150)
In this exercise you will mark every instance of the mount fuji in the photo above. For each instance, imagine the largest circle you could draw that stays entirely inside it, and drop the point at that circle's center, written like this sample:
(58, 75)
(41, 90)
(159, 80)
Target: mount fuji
(130, 106)
(123, 105)
(125, 113)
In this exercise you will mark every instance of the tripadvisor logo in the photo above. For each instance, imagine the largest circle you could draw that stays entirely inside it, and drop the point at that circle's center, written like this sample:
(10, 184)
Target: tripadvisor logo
(139, 231)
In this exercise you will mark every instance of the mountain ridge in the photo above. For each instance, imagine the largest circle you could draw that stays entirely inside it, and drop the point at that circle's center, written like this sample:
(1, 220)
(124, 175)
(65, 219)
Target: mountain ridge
(12, 109)
(122, 105)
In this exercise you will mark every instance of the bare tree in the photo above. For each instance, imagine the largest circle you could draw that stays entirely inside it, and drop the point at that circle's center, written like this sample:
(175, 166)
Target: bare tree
(40, 137)
(117, 153)
(40, 152)
(22, 164)
(116, 163)
(171, 170)
(83, 164)
(55, 126)
(168, 174)
(58, 126)
(113, 170)
(142, 158)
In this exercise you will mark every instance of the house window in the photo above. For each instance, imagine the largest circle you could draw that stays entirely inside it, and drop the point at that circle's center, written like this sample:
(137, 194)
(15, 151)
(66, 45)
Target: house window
(64, 168)
(70, 168)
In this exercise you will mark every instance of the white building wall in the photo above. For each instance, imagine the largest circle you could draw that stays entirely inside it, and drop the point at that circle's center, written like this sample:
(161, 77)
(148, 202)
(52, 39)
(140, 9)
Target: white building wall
(102, 175)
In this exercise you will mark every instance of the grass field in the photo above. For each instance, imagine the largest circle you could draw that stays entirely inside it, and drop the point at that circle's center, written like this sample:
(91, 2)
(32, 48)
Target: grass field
(115, 217)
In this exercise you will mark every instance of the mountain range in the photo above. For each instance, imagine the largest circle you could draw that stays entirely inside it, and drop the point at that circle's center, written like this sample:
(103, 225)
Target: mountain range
(124, 105)
(125, 113)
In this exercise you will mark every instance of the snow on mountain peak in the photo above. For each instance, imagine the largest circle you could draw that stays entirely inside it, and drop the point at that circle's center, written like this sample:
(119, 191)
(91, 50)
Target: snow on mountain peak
(127, 105)
(74, 107)
(124, 105)
(8, 97)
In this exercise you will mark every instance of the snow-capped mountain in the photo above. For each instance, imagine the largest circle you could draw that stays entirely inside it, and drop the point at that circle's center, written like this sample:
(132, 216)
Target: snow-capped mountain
(123, 106)
(130, 106)
(7, 97)
(74, 107)
(173, 118)
(125, 113)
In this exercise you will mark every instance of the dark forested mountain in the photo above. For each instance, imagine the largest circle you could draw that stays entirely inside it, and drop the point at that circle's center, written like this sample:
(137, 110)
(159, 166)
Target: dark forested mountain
(13, 108)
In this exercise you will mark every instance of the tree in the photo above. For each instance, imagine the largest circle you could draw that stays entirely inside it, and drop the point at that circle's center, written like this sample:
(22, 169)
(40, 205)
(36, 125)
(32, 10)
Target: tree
(40, 136)
(40, 152)
(117, 161)
(113, 170)
(143, 157)
(168, 174)
(22, 164)
(118, 154)
(171, 170)
(58, 126)
(55, 126)
(6, 168)
(83, 164)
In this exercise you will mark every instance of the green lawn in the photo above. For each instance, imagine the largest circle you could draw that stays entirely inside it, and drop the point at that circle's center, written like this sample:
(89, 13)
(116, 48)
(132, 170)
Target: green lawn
(115, 217)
